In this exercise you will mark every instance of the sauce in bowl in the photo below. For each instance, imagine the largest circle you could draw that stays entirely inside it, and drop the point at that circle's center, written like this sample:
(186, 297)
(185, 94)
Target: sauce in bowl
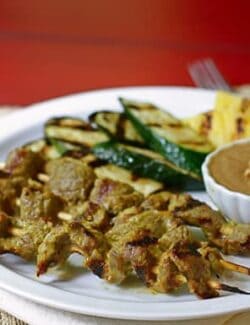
(230, 167)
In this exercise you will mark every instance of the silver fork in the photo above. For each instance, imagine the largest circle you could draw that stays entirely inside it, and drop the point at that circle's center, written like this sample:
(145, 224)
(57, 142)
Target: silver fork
(205, 74)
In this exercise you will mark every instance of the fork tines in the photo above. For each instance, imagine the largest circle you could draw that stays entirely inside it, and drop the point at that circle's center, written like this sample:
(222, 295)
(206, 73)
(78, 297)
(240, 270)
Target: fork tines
(205, 74)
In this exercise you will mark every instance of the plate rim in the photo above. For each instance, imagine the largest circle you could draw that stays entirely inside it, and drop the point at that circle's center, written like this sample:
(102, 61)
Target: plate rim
(24, 287)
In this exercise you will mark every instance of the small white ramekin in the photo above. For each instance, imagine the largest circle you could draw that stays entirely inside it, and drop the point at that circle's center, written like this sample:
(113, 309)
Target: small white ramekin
(233, 205)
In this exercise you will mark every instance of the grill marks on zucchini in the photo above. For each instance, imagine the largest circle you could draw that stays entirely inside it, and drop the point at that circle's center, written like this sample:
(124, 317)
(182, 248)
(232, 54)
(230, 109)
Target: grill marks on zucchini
(145, 163)
(70, 137)
(165, 124)
(82, 149)
(142, 125)
(70, 122)
(168, 136)
(74, 131)
(141, 161)
(117, 126)
(143, 185)
(69, 150)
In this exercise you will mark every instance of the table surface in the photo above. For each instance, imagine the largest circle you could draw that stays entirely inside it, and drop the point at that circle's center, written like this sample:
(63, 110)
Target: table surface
(51, 48)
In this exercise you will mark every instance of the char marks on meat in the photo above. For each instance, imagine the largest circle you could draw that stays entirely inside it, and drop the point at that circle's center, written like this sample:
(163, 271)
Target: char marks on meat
(117, 230)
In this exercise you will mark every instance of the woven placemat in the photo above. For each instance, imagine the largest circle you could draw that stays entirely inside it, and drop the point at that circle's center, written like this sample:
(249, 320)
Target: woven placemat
(6, 319)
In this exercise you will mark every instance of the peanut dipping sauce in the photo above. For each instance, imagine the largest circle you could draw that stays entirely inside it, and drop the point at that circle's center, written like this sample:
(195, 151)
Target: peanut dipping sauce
(231, 167)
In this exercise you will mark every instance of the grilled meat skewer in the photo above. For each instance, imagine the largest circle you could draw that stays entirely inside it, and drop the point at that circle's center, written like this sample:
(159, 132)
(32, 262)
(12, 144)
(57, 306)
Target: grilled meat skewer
(114, 227)
(164, 256)
(230, 237)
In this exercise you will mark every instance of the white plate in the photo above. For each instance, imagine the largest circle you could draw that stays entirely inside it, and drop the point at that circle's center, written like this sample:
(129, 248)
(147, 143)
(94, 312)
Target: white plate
(82, 292)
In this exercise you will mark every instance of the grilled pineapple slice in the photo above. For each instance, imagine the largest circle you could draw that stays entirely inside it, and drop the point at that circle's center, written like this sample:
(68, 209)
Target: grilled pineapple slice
(201, 123)
(229, 121)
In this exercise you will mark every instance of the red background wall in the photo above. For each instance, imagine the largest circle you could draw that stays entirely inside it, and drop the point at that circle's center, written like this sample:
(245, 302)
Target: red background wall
(50, 48)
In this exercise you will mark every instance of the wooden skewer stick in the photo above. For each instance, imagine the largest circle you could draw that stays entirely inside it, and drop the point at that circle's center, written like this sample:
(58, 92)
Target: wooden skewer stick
(181, 278)
(64, 216)
(76, 249)
(225, 287)
(228, 265)
(43, 177)
(14, 231)
(235, 267)
(247, 171)
(2, 165)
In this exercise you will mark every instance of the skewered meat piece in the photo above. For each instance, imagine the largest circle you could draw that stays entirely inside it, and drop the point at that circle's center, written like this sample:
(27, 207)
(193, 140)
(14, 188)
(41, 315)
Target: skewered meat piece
(106, 199)
(23, 242)
(116, 230)
(143, 241)
(22, 234)
(24, 163)
(26, 244)
(109, 259)
(54, 249)
(38, 204)
(7, 196)
(195, 268)
(230, 237)
(153, 240)
(90, 214)
(70, 179)
(114, 196)
(66, 239)
(164, 263)
(92, 246)
(21, 165)
(148, 243)
(143, 228)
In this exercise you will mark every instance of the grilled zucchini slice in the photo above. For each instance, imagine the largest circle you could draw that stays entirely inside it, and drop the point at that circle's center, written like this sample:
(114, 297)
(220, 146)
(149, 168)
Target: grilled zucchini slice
(168, 136)
(144, 185)
(117, 126)
(74, 131)
(145, 163)
(64, 148)
(104, 170)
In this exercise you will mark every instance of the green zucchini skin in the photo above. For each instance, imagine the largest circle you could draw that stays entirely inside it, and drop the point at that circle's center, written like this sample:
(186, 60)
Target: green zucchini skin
(117, 126)
(74, 131)
(188, 160)
(64, 147)
(69, 121)
(103, 169)
(144, 165)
